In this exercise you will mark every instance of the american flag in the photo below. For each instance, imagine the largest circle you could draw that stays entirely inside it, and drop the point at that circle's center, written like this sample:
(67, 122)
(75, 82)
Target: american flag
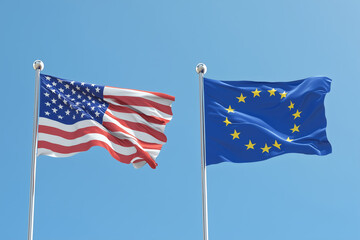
(75, 116)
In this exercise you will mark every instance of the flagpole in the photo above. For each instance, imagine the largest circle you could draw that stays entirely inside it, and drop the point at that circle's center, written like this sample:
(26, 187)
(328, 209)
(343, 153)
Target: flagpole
(201, 70)
(38, 67)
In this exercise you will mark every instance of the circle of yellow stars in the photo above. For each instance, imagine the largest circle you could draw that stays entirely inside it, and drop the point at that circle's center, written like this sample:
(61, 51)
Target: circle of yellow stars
(276, 144)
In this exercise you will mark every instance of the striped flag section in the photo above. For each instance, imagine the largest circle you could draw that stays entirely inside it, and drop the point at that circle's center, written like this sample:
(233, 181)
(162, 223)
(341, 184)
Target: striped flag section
(76, 116)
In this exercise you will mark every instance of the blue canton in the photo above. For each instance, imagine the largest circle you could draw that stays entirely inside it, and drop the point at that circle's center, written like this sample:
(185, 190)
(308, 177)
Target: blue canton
(69, 102)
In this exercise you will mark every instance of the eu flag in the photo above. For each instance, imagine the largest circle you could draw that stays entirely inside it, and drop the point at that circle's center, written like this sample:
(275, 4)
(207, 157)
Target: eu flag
(252, 121)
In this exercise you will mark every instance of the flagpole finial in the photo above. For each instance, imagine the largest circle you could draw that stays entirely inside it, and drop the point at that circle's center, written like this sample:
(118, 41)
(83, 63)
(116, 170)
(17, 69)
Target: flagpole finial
(201, 68)
(38, 64)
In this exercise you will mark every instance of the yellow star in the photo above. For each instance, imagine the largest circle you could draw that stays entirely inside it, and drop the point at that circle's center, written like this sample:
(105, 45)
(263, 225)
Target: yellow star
(235, 134)
(295, 129)
(265, 149)
(276, 144)
(291, 106)
(227, 122)
(283, 95)
(272, 92)
(256, 93)
(241, 98)
(229, 109)
(250, 145)
(297, 114)
(289, 140)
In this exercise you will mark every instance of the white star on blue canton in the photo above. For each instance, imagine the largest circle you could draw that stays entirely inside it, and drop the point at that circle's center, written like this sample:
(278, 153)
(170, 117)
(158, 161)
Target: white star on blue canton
(75, 99)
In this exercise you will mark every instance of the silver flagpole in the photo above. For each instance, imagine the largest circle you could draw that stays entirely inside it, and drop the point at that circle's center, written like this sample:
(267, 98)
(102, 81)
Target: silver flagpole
(38, 66)
(201, 70)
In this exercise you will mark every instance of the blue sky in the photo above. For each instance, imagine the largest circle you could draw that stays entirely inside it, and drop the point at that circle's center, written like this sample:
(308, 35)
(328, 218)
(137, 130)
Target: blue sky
(155, 46)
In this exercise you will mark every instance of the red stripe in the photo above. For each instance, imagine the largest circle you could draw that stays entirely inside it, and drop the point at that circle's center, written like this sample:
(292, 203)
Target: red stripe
(151, 119)
(162, 95)
(139, 127)
(93, 129)
(138, 101)
(86, 146)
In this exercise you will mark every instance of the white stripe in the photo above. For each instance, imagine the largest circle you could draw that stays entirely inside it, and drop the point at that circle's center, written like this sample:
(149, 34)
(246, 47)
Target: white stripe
(133, 117)
(120, 92)
(138, 165)
(153, 153)
(142, 136)
(48, 152)
(84, 139)
(150, 111)
(69, 127)
(88, 123)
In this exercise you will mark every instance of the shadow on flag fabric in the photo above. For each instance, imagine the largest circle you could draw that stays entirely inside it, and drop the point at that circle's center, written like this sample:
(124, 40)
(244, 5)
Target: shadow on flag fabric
(253, 121)
(76, 116)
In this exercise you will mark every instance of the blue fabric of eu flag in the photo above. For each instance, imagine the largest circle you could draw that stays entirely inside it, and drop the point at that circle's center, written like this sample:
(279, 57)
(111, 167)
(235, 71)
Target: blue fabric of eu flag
(252, 121)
